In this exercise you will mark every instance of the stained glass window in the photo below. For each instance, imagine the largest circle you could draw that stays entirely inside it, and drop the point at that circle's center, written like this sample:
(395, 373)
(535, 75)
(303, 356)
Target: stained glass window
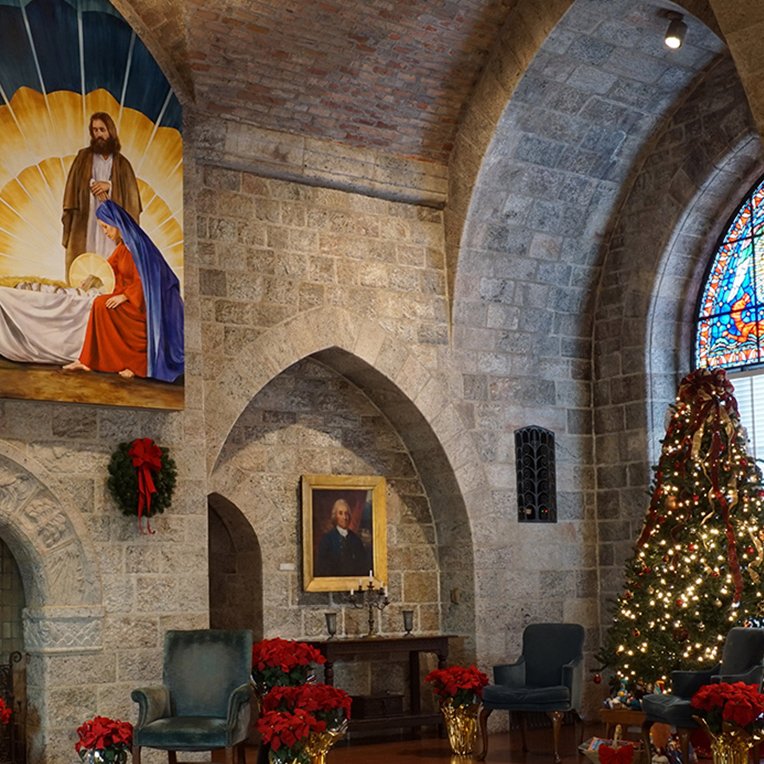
(730, 318)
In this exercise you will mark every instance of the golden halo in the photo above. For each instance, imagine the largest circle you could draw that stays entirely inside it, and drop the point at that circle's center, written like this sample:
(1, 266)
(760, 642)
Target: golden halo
(90, 264)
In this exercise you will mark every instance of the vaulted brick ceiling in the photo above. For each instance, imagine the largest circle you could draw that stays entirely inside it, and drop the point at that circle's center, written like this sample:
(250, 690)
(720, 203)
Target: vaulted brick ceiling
(394, 75)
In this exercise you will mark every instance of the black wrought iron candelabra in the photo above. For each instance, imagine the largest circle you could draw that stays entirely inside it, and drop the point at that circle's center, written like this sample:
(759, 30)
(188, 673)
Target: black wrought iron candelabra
(369, 597)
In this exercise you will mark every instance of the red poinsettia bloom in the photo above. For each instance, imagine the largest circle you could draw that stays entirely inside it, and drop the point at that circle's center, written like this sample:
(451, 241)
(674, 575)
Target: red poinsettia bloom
(462, 686)
(5, 712)
(281, 662)
(325, 702)
(101, 733)
(288, 729)
(737, 704)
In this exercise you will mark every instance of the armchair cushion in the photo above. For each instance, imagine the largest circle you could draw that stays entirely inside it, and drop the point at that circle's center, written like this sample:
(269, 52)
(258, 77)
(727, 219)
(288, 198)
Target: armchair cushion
(186, 733)
(526, 698)
(669, 709)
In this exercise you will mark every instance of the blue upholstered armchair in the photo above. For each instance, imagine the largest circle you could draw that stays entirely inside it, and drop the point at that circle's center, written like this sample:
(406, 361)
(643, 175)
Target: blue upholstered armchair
(742, 661)
(548, 677)
(203, 703)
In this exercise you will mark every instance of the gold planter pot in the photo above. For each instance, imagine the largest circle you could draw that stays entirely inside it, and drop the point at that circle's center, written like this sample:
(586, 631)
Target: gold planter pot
(731, 745)
(319, 743)
(461, 727)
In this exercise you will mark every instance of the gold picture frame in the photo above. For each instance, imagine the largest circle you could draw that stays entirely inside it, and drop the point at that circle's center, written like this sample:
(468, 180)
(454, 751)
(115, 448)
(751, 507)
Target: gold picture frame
(334, 561)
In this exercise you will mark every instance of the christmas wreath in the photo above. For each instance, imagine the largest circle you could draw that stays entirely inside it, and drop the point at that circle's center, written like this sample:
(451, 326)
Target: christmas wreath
(142, 479)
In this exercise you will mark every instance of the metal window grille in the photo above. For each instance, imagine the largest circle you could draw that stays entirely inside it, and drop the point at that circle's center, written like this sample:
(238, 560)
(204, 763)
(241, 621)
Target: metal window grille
(536, 481)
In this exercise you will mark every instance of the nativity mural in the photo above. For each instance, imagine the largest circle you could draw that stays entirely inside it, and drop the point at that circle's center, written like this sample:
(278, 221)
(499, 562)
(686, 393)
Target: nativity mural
(91, 208)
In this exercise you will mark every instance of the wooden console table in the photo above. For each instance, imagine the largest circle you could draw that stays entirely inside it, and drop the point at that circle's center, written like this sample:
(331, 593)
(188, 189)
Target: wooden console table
(332, 649)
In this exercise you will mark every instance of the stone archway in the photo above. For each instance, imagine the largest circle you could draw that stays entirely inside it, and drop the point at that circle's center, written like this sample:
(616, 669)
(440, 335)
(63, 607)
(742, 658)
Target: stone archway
(62, 585)
(412, 399)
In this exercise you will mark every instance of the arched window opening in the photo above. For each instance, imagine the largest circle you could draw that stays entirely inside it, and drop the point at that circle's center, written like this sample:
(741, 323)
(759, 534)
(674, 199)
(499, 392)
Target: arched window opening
(729, 331)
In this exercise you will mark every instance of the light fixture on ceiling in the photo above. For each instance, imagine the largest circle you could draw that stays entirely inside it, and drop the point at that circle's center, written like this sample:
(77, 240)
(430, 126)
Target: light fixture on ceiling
(676, 31)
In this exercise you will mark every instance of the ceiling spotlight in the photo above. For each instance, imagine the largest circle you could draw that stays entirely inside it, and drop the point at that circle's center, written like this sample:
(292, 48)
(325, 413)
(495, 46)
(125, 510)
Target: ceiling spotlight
(676, 31)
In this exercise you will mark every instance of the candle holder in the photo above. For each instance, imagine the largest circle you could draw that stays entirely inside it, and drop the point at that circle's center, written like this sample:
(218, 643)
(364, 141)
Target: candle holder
(331, 624)
(371, 598)
(408, 621)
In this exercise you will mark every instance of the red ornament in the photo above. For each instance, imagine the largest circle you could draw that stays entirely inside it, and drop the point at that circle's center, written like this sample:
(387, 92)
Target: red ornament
(597, 678)
(750, 550)
(691, 547)
(635, 632)
(679, 602)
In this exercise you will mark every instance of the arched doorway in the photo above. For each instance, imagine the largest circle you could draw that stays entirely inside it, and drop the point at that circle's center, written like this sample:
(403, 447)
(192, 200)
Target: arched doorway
(235, 569)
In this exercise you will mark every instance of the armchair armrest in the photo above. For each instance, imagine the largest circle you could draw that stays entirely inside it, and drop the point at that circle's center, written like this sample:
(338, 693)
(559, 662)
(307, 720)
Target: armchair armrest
(572, 678)
(510, 674)
(752, 676)
(238, 705)
(684, 684)
(153, 703)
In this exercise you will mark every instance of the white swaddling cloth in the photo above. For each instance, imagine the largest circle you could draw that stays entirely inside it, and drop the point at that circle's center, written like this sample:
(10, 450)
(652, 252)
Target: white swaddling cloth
(46, 326)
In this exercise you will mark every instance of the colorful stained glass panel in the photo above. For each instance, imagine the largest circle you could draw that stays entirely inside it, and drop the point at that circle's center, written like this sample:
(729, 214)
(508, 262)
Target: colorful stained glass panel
(719, 342)
(757, 204)
(741, 225)
(731, 280)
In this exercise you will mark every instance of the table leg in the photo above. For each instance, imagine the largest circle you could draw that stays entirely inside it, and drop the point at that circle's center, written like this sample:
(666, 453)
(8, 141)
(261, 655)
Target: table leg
(329, 672)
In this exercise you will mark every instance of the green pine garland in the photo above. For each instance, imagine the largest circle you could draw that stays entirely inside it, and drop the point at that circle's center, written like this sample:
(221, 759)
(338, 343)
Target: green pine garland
(123, 482)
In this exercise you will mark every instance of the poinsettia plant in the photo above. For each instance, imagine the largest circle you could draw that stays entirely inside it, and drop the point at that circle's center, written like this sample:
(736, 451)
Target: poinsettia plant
(722, 705)
(282, 662)
(328, 704)
(112, 738)
(287, 733)
(460, 685)
(5, 712)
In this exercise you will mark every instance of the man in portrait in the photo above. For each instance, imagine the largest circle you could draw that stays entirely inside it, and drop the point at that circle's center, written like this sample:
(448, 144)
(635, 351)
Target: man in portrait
(340, 551)
(99, 172)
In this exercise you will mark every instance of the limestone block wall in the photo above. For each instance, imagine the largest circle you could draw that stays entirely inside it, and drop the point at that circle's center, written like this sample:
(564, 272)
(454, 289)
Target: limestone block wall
(274, 253)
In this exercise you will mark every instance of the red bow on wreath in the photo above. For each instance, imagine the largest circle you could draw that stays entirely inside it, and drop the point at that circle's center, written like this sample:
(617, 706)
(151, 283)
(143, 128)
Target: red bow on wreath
(147, 460)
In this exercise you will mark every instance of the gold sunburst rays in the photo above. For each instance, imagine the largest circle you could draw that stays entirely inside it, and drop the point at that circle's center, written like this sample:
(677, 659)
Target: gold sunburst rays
(34, 161)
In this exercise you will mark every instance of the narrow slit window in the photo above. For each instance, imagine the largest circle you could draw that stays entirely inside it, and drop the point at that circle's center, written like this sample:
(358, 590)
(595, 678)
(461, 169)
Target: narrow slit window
(536, 480)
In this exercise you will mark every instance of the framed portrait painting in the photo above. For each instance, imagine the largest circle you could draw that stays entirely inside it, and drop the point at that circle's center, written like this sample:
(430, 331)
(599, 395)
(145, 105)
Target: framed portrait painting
(344, 532)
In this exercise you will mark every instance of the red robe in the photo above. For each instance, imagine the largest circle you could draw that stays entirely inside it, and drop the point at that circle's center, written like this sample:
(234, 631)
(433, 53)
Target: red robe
(116, 338)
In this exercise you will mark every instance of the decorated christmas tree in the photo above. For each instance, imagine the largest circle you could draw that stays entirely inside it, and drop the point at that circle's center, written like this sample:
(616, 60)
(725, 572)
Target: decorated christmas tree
(697, 564)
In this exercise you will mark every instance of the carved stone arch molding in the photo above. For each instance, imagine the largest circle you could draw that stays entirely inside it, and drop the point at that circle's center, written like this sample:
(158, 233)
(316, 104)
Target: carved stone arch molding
(62, 584)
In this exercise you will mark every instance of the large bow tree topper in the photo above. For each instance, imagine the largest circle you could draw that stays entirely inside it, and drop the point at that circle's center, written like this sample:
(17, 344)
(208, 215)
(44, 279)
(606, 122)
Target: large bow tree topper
(142, 479)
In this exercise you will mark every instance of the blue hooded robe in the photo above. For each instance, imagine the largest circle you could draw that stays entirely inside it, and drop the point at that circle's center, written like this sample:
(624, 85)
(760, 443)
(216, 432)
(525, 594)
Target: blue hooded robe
(161, 292)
